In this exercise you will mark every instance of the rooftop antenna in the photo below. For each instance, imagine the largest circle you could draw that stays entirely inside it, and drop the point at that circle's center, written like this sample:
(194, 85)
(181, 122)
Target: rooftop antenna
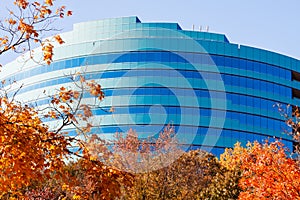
(200, 28)
(193, 27)
(207, 28)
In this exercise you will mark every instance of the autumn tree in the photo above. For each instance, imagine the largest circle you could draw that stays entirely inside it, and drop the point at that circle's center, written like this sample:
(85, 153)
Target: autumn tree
(266, 171)
(223, 186)
(185, 178)
(91, 179)
(28, 150)
(161, 169)
(142, 156)
(137, 155)
(194, 175)
(32, 152)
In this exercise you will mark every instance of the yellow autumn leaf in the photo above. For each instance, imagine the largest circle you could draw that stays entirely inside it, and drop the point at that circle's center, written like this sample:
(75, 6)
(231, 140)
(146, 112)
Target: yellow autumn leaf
(76, 196)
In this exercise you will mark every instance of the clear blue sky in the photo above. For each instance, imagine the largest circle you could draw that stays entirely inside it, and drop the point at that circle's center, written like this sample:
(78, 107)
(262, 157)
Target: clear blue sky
(269, 24)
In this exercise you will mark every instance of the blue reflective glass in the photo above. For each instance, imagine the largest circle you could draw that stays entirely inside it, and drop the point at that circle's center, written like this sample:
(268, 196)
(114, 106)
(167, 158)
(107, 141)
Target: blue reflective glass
(270, 87)
(257, 121)
(249, 65)
(243, 82)
(243, 64)
(227, 61)
(250, 83)
(250, 120)
(243, 100)
(288, 75)
(243, 118)
(264, 122)
(276, 89)
(263, 68)
(263, 85)
(236, 63)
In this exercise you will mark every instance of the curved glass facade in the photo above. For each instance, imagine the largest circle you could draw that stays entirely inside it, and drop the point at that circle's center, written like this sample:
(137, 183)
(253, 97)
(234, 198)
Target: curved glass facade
(215, 93)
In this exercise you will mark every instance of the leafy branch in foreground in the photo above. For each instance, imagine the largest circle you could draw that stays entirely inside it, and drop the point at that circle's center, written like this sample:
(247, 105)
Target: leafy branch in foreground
(27, 23)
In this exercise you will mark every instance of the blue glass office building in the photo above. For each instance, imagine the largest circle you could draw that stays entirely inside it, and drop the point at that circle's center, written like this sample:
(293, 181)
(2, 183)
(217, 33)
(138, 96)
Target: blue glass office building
(214, 92)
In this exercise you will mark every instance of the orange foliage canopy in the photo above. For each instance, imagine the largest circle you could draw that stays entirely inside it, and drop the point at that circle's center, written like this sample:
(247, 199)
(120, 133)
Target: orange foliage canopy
(28, 150)
(267, 171)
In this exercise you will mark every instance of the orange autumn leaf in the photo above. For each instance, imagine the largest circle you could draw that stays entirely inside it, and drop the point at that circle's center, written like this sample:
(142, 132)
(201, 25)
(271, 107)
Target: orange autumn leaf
(22, 3)
(58, 39)
(48, 52)
(44, 11)
(27, 29)
(49, 2)
(12, 21)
